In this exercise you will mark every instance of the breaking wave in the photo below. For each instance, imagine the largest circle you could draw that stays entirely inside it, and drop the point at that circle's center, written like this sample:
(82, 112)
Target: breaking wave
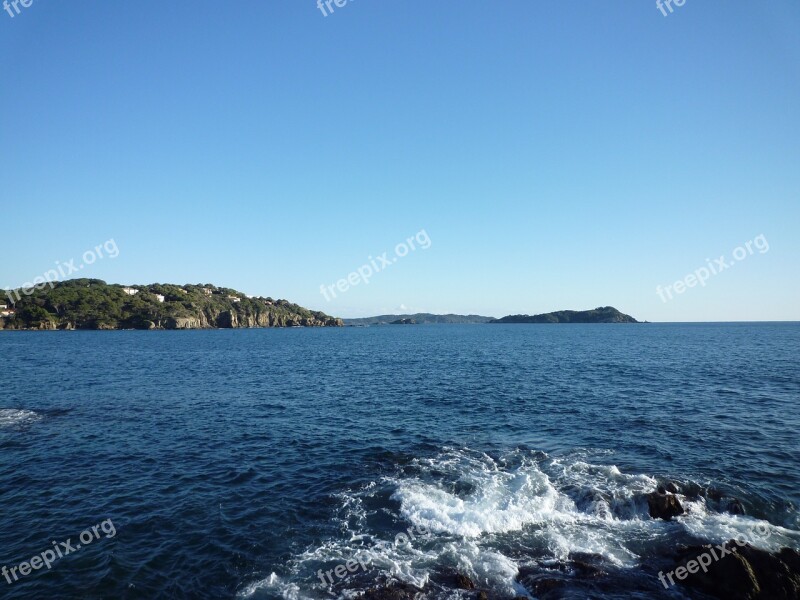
(12, 417)
(499, 519)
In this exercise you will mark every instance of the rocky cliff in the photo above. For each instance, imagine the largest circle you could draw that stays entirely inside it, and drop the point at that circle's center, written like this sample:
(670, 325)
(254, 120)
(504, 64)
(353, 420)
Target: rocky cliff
(94, 304)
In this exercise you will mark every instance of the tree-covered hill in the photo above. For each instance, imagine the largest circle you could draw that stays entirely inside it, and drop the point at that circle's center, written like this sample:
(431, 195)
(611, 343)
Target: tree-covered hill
(421, 318)
(94, 304)
(603, 314)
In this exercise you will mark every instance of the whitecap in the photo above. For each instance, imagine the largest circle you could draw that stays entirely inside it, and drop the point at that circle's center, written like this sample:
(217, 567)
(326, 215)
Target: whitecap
(12, 417)
(287, 590)
(485, 514)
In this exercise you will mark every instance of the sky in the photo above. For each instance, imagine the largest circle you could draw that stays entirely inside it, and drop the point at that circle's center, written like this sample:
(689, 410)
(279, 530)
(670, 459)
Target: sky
(540, 155)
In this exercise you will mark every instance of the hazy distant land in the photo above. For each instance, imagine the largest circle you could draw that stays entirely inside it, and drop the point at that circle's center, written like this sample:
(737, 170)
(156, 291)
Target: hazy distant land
(418, 318)
(95, 304)
(603, 314)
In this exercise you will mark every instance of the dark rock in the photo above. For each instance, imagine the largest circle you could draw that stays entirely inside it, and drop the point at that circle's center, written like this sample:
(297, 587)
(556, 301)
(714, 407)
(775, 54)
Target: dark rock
(746, 573)
(393, 591)
(482, 596)
(663, 506)
(543, 587)
(463, 488)
(791, 558)
(587, 570)
(586, 565)
(735, 507)
(693, 491)
(672, 488)
(227, 320)
(463, 582)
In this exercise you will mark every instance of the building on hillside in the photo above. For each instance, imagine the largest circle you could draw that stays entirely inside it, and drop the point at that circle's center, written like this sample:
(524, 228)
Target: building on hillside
(130, 291)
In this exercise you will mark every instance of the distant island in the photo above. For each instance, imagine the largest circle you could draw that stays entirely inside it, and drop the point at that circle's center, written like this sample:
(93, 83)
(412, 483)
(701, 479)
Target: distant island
(95, 304)
(605, 314)
(418, 318)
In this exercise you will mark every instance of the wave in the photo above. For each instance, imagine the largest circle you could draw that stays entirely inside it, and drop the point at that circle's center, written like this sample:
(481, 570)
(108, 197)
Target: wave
(13, 417)
(496, 518)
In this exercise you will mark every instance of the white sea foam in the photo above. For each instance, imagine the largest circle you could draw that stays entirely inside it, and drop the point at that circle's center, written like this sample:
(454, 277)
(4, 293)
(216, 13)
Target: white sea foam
(479, 508)
(718, 528)
(12, 417)
(501, 502)
(599, 508)
(290, 591)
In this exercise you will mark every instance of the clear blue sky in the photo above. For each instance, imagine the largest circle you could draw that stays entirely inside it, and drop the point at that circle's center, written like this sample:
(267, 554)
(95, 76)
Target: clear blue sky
(557, 154)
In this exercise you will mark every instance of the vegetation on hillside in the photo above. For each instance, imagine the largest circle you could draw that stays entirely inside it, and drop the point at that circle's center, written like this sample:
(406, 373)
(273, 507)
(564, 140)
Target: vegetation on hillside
(94, 304)
(422, 318)
(603, 314)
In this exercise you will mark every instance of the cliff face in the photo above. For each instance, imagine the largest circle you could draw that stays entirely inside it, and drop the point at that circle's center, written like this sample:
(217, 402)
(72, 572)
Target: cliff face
(230, 319)
(93, 304)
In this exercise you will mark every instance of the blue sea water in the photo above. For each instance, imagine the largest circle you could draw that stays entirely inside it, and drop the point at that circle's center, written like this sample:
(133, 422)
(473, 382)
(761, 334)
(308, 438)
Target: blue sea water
(241, 463)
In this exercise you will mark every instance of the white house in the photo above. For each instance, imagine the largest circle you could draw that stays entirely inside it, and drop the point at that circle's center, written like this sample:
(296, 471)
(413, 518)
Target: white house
(159, 297)
(130, 291)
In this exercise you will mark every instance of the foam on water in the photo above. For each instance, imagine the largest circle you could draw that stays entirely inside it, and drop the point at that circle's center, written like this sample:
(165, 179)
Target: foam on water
(499, 501)
(718, 528)
(273, 583)
(478, 514)
(13, 417)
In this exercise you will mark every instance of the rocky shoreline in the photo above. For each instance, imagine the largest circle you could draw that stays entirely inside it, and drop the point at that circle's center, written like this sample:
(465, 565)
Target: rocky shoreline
(733, 570)
(745, 573)
(91, 304)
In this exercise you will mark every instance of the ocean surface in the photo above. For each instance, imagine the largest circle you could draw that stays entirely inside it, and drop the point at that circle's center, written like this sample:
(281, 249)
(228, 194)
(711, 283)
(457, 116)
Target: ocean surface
(248, 463)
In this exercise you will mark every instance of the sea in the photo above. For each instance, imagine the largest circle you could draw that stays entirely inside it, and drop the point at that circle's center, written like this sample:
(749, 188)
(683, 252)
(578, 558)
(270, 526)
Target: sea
(311, 463)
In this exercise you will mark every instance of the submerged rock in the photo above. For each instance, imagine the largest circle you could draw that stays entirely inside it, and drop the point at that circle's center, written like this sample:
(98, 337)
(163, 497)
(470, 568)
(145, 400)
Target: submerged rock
(740, 572)
(463, 582)
(548, 587)
(735, 507)
(586, 565)
(392, 591)
(721, 502)
(550, 582)
(663, 505)
(672, 487)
